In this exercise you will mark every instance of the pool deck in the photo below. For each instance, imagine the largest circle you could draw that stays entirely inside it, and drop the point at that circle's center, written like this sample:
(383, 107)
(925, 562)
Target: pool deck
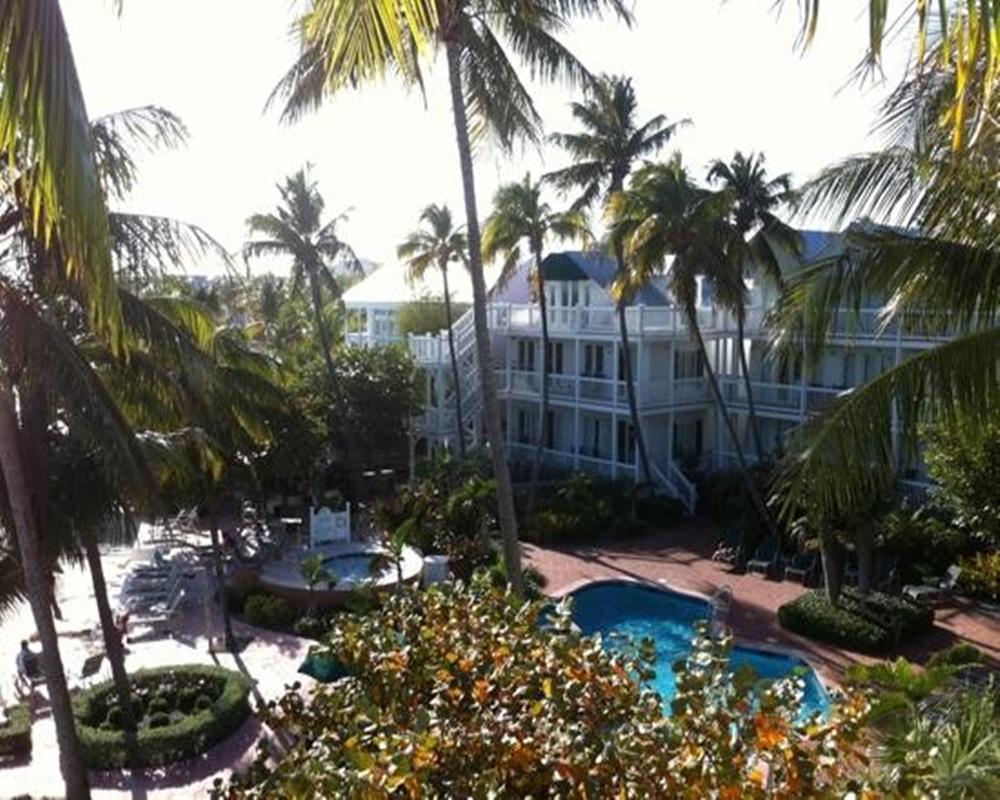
(681, 558)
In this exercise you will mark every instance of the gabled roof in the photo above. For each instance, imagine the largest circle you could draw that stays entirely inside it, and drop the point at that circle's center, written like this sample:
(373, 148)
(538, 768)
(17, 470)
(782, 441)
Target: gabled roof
(597, 267)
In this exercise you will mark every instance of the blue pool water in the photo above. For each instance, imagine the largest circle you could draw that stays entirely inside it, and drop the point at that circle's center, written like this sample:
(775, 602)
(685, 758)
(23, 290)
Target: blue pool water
(624, 610)
(352, 568)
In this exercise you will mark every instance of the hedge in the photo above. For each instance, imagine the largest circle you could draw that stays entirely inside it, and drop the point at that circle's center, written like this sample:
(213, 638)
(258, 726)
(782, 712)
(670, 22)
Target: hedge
(851, 625)
(15, 736)
(162, 744)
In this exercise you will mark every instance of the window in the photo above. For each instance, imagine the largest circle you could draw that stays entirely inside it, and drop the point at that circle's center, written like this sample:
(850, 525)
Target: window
(593, 360)
(688, 439)
(626, 442)
(526, 355)
(555, 358)
(564, 296)
(525, 426)
(575, 293)
(550, 430)
(688, 364)
(591, 444)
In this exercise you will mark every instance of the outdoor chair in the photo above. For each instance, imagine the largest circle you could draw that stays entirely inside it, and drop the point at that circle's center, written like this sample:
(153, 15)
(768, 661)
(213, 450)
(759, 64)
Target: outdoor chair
(765, 558)
(935, 588)
(730, 547)
(90, 669)
(158, 620)
(802, 567)
(135, 599)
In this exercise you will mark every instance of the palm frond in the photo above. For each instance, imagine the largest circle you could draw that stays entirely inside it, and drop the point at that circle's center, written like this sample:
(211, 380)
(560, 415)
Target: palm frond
(116, 137)
(147, 246)
(43, 123)
(840, 460)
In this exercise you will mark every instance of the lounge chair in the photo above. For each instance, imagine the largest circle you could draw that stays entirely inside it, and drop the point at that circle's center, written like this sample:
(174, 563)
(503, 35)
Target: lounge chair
(935, 588)
(802, 567)
(730, 547)
(765, 559)
(158, 620)
(90, 669)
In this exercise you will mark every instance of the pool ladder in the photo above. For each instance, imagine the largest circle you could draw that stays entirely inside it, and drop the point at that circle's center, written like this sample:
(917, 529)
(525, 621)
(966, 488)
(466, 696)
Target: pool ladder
(721, 602)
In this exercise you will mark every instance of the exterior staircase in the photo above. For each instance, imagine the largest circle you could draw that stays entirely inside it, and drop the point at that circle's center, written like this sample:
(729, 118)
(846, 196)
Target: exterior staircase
(438, 423)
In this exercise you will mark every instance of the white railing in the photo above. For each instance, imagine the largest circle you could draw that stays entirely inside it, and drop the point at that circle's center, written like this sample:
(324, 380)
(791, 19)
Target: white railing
(677, 483)
(640, 320)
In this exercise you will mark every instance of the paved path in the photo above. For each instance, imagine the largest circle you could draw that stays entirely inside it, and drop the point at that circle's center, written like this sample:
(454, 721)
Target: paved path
(681, 557)
(271, 661)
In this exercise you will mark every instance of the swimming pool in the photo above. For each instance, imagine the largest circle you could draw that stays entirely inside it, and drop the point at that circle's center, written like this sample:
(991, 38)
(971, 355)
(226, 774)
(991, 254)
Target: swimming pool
(617, 609)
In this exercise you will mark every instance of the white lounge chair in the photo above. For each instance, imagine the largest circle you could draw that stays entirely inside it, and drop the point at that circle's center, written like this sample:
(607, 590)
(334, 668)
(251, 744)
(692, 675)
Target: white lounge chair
(935, 588)
(157, 620)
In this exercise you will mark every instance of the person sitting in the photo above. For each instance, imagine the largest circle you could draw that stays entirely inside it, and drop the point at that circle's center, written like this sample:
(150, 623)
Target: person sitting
(29, 672)
(121, 626)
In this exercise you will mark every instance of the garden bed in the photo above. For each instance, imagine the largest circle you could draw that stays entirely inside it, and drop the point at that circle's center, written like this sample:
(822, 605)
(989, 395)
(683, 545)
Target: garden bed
(15, 736)
(181, 712)
(874, 626)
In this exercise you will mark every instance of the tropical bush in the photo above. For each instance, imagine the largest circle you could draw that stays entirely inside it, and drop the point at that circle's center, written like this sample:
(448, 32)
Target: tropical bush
(438, 517)
(980, 576)
(582, 507)
(15, 736)
(462, 692)
(923, 540)
(426, 315)
(172, 726)
(871, 624)
(269, 611)
(958, 655)
(964, 461)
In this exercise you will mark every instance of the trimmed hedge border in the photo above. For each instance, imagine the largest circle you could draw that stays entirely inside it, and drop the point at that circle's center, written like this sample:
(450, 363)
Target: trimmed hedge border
(852, 626)
(157, 746)
(15, 736)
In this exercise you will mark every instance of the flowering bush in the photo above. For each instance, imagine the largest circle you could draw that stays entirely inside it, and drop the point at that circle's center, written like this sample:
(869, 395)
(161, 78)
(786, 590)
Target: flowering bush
(470, 692)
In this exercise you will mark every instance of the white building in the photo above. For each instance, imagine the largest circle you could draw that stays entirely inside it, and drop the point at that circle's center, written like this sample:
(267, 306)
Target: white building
(590, 426)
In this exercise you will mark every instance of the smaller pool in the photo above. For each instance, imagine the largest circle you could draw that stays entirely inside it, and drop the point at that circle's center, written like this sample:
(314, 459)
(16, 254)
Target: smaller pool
(620, 610)
(354, 567)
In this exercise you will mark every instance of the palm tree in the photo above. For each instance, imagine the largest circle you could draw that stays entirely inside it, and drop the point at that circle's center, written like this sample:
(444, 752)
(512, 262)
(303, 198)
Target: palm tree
(604, 153)
(520, 215)
(754, 197)
(348, 42)
(436, 245)
(296, 229)
(932, 257)
(43, 122)
(664, 213)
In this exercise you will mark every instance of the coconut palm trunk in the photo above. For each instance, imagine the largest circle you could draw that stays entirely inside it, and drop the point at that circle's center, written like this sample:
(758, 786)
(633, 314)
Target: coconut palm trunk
(745, 369)
(455, 376)
(321, 330)
(713, 381)
(39, 596)
(633, 406)
(220, 583)
(113, 646)
(487, 375)
(543, 426)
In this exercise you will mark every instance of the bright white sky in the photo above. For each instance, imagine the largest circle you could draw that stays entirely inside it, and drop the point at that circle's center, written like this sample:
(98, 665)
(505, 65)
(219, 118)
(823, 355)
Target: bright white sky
(729, 66)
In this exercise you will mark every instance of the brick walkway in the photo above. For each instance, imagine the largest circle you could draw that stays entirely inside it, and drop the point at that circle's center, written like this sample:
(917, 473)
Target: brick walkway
(681, 558)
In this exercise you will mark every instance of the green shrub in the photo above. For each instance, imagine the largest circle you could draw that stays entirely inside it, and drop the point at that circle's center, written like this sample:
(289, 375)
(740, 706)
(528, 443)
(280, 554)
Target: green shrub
(238, 590)
(159, 705)
(186, 699)
(959, 655)
(15, 736)
(159, 719)
(310, 627)
(583, 508)
(114, 717)
(812, 615)
(980, 576)
(913, 619)
(176, 740)
(202, 702)
(269, 611)
(659, 510)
